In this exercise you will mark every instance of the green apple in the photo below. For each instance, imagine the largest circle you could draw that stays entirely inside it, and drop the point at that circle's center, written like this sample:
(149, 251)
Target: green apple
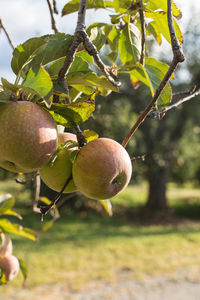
(55, 176)
(102, 169)
(28, 136)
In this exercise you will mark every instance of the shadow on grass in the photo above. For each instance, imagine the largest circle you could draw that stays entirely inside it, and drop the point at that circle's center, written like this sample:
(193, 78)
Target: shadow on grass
(94, 228)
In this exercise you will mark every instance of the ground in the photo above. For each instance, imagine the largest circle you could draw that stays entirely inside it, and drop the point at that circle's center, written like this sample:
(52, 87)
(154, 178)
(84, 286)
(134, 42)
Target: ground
(176, 287)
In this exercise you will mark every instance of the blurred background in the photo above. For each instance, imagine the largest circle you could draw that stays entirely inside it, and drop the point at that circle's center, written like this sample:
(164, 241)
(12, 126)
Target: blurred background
(151, 244)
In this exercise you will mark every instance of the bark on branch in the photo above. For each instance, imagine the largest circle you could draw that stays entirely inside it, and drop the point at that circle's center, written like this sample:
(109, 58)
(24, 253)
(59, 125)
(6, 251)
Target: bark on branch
(52, 10)
(178, 57)
(160, 113)
(2, 26)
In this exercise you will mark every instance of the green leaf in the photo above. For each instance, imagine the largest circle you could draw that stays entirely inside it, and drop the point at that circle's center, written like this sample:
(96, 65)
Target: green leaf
(140, 74)
(113, 38)
(5, 96)
(85, 56)
(23, 269)
(97, 37)
(7, 226)
(90, 79)
(24, 53)
(156, 71)
(39, 80)
(9, 86)
(2, 277)
(162, 4)
(73, 6)
(151, 75)
(74, 113)
(6, 202)
(80, 75)
(130, 45)
(90, 135)
(56, 46)
(160, 17)
(107, 205)
(47, 225)
(10, 212)
(121, 5)
(152, 28)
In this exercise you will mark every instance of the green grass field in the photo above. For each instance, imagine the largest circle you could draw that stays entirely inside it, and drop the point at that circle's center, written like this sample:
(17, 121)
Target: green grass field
(84, 247)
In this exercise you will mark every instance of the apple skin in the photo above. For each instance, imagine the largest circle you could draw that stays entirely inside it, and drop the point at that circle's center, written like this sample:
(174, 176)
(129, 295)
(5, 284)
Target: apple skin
(28, 136)
(8, 263)
(102, 169)
(56, 176)
(10, 266)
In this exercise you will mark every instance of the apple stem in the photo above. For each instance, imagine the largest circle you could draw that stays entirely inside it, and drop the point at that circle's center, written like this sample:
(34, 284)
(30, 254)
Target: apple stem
(45, 209)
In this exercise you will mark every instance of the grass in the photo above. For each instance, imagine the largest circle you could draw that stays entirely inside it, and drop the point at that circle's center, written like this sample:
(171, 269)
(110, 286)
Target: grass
(79, 249)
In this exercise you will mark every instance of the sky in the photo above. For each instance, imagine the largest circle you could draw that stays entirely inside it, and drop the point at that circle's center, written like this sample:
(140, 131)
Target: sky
(27, 18)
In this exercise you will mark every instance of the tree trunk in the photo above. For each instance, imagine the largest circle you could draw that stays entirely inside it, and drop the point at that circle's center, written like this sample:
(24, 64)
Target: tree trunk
(157, 179)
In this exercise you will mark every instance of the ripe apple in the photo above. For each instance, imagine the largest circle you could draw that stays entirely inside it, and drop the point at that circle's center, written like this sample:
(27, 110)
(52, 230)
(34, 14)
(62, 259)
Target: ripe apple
(56, 176)
(102, 169)
(28, 136)
(10, 266)
(8, 262)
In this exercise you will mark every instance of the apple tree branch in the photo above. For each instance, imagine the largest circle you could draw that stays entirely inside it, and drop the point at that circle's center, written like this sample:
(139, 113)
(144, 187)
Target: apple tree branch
(2, 26)
(52, 11)
(178, 57)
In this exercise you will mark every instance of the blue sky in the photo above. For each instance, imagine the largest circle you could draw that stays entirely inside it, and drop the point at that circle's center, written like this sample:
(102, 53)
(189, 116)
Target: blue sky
(26, 18)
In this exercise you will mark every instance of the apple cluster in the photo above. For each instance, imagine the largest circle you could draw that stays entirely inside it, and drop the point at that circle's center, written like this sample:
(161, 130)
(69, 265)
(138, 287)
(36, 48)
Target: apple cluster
(28, 139)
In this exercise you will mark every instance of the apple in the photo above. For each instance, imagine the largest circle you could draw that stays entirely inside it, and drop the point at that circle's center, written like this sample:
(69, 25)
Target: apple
(28, 136)
(102, 169)
(10, 266)
(8, 262)
(56, 176)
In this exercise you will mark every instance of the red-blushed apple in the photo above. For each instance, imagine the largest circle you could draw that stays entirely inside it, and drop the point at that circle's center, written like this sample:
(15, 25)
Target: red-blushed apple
(28, 136)
(55, 176)
(8, 262)
(102, 169)
(10, 266)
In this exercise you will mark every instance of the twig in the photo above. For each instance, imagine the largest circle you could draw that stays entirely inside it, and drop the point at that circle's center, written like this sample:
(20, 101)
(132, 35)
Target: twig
(178, 57)
(53, 22)
(179, 95)
(160, 113)
(7, 34)
(63, 200)
(28, 180)
(136, 158)
(37, 194)
(142, 21)
(81, 36)
(45, 209)
(55, 7)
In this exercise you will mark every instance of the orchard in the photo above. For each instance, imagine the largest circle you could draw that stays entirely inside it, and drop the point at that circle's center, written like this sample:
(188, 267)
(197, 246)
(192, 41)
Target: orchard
(57, 80)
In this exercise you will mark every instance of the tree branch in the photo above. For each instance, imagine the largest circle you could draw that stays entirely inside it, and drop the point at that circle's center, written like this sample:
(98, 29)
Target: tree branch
(142, 21)
(7, 34)
(160, 113)
(53, 22)
(80, 36)
(179, 95)
(178, 57)
(37, 194)
(55, 7)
